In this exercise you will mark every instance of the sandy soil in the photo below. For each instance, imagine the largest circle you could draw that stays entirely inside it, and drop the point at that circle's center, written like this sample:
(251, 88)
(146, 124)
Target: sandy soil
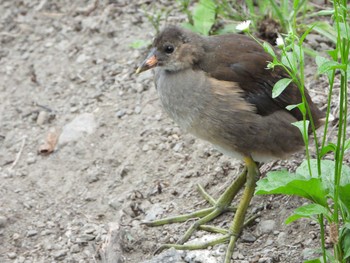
(68, 69)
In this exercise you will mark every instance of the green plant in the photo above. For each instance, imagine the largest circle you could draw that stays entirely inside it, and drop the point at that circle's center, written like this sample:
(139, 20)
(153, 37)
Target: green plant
(203, 17)
(212, 16)
(325, 183)
(155, 16)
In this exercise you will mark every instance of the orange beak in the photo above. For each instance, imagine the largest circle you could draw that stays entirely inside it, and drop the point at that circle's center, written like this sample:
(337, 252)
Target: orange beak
(150, 62)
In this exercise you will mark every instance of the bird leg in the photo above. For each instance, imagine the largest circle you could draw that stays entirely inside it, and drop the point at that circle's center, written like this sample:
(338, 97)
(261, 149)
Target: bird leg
(249, 177)
(238, 221)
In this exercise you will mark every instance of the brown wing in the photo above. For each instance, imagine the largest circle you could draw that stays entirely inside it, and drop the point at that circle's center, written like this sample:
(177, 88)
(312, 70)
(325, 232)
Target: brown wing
(243, 61)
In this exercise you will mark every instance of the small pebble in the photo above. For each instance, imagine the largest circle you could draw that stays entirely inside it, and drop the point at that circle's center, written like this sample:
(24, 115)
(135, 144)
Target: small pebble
(21, 259)
(87, 237)
(12, 255)
(93, 178)
(3, 221)
(267, 226)
(43, 118)
(265, 260)
(248, 237)
(120, 113)
(138, 109)
(177, 147)
(59, 254)
(32, 233)
(31, 159)
(145, 148)
(75, 248)
(89, 230)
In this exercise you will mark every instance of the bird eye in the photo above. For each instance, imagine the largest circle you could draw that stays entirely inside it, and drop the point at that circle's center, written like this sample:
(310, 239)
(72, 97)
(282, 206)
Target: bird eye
(169, 49)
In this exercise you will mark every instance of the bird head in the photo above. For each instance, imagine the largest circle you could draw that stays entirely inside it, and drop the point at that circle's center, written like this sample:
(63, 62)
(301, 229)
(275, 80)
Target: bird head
(173, 49)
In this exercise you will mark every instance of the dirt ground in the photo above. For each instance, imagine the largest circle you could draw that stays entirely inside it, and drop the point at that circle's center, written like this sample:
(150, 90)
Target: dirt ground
(67, 69)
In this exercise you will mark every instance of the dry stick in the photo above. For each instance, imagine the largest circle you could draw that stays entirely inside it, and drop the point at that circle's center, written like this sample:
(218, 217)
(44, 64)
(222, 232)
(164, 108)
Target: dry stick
(19, 153)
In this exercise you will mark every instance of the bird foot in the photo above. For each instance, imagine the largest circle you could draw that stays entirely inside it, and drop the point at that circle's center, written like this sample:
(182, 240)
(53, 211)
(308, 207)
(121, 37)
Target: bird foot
(222, 205)
(203, 216)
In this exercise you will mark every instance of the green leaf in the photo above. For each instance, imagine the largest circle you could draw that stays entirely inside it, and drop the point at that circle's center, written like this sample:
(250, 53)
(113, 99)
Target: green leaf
(302, 108)
(298, 54)
(344, 30)
(300, 126)
(316, 260)
(320, 61)
(324, 12)
(291, 107)
(289, 60)
(327, 175)
(269, 49)
(301, 41)
(331, 147)
(345, 238)
(328, 66)
(325, 29)
(345, 196)
(204, 16)
(280, 86)
(308, 211)
(283, 182)
(333, 53)
(347, 143)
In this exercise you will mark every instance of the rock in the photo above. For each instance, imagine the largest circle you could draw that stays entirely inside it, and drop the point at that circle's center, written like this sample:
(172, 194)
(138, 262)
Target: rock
(81, 125)
(20, 259)
(16, 236)
(203, 256)
(92, 178)
(43, 118)
(82, 58)
(281, 238)
(120, 113)
(75, 248)
(32, 233)
(31, 159)
(168, 256)
(115, 203)
(308, 253)
(237, 255)
(178, 147)
(59, 254)
(138, 109)
(11, 255)
(248, 237)
(3, 221)
(86, 237)
(265, 260)
(111, 251)
(267, 226)
(153, 212)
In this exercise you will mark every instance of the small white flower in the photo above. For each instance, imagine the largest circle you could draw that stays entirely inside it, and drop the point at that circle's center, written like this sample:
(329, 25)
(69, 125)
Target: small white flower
(280, 41)
(244, 26)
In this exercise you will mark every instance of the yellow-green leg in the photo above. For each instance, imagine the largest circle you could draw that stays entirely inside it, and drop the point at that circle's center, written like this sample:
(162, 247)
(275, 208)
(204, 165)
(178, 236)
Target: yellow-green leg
(222, 205)
(238, 220)
(249, 177)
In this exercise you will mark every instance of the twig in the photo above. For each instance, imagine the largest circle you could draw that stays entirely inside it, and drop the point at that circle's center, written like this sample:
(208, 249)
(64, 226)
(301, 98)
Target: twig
(19, 153)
